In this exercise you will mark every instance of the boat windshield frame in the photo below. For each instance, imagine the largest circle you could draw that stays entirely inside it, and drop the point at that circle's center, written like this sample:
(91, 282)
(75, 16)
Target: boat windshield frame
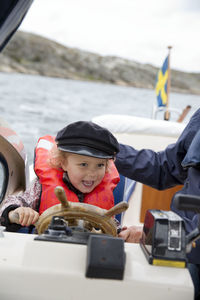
(5, 176)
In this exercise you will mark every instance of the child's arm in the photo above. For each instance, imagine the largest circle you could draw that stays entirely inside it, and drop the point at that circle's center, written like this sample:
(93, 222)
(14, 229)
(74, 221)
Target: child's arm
(25, 216)
(27, 200)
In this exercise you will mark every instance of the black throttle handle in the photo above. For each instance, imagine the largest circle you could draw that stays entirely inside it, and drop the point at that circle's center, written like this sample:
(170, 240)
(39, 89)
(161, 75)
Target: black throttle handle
(187, 202)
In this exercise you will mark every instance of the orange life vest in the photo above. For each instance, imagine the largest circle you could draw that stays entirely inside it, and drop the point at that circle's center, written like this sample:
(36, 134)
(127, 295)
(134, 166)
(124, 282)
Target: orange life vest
(49, 177)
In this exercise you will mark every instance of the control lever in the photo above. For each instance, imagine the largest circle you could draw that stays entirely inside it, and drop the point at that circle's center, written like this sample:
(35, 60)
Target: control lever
(191, 203)
(58, 226)
(187, 202)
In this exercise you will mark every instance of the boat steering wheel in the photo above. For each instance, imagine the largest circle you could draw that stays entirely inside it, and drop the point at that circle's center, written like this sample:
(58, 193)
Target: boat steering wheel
(93, 217)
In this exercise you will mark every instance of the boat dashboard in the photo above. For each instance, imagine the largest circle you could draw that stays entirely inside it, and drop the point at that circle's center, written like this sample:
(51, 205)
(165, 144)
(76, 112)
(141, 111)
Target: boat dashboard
(65, 263)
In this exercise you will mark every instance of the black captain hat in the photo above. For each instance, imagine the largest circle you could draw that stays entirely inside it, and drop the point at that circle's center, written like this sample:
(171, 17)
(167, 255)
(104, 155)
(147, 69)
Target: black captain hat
(87, 138)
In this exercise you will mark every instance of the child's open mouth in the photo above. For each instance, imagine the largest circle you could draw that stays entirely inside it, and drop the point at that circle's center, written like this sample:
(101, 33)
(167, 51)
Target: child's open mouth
(87, 183)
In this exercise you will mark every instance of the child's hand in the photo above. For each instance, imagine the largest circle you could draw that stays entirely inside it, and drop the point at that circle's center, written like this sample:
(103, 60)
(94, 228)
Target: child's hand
(24, 216)
(131, 234)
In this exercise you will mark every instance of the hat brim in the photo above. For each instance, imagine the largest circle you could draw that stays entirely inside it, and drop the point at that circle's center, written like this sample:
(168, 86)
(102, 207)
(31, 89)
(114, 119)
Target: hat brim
(84, 150)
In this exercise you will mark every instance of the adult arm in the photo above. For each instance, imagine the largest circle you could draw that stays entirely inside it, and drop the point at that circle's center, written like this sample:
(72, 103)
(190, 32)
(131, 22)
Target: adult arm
(162, 169)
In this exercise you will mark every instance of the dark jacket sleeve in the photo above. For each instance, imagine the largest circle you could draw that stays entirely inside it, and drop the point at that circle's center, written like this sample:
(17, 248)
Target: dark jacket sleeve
(162, 169)
(12, 227)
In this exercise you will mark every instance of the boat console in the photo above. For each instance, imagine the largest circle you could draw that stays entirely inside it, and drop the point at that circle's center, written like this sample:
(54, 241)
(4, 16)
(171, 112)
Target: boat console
(68, 261)
(35, 269)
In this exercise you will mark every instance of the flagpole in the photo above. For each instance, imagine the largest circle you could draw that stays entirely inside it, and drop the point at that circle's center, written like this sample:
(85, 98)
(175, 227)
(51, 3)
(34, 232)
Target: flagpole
(167, 113)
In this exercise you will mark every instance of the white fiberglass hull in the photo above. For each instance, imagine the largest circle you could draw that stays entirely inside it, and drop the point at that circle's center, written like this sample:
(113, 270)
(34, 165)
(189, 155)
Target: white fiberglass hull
(45, 270)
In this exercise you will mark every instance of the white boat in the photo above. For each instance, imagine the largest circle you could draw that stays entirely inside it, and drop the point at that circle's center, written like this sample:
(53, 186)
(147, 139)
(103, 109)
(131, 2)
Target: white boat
(31, 269)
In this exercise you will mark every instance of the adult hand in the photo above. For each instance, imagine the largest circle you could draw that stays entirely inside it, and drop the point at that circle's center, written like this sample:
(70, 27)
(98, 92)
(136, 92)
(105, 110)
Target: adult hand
(131, 234)
(24, 216)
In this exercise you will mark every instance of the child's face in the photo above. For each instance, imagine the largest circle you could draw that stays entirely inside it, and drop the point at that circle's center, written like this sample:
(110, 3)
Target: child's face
(84, 172)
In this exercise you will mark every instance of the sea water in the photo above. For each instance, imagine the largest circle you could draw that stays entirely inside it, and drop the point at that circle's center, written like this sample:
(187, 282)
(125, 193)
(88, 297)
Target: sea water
(37, 105)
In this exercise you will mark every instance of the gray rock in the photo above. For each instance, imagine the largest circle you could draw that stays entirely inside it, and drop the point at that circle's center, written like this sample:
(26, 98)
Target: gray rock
(33, 54)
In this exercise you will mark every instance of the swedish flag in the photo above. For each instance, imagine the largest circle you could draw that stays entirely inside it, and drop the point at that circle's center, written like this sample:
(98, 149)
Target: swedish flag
(161, 84)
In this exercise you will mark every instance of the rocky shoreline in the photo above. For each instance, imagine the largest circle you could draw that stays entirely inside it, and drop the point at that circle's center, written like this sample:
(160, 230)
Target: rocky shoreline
(32, 54)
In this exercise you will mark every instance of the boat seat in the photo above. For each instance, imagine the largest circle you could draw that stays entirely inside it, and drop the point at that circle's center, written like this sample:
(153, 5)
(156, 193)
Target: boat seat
(123, 192)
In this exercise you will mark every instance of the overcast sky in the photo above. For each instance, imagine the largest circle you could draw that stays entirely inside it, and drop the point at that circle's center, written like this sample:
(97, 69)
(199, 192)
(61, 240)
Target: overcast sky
(139, 30)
